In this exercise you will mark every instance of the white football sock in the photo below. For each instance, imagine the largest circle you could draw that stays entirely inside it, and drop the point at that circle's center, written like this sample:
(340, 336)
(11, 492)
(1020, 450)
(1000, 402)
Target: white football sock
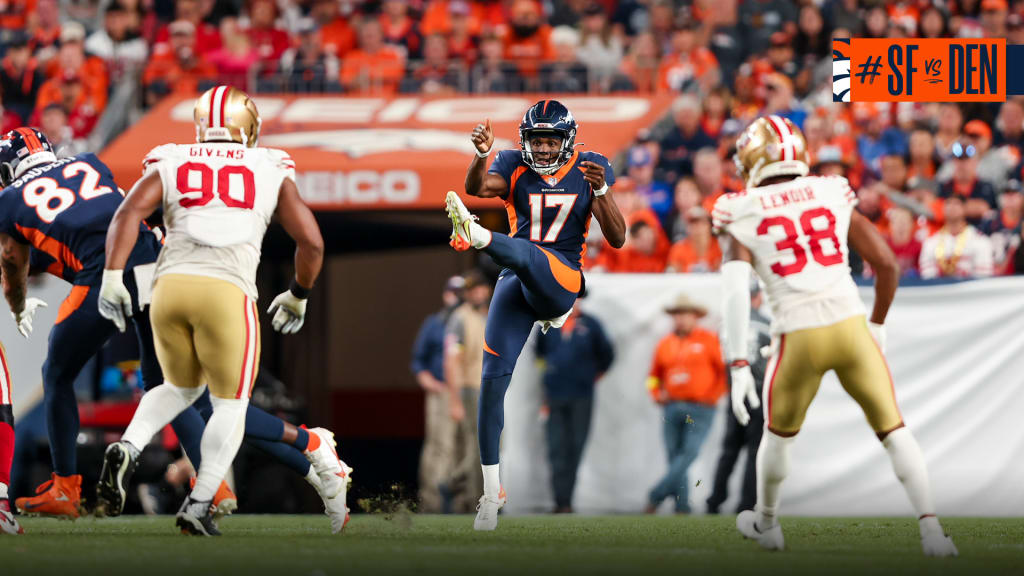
(492, 481)
(908, 463)
(156, 409)
(221, 439)
(3, 490)
(481, 236)
(772, 469)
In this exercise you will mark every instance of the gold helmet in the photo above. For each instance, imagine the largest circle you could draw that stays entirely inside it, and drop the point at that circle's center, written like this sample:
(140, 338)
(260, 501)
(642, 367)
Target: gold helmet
(771, 146)
(226, 114)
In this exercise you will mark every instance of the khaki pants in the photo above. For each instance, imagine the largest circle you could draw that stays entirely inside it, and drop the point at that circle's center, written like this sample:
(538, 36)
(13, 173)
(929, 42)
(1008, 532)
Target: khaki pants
(206, 330)
(804, 356)
(466, 480)
(438, 450)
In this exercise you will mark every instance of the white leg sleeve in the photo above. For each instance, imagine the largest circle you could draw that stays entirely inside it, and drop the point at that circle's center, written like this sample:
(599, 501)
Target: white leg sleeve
(221, 439)
(492, 480)
(772, 469)
(908, 463)
(156, 409)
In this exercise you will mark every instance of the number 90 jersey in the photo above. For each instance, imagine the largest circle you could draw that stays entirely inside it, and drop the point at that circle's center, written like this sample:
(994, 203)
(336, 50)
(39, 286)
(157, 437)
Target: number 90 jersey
(218, 200)
(797, 232)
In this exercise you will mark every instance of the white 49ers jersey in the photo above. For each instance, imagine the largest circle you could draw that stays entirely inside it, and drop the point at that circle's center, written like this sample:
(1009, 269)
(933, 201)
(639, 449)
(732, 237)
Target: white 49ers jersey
(218, 200)
(797, 233)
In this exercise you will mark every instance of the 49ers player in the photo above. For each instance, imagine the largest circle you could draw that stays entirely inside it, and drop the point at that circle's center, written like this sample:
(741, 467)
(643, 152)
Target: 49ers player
(793, 229)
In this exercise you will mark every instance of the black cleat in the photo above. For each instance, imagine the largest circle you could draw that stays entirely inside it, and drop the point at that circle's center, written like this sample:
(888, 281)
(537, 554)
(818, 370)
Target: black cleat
(196, 518)
(119, 462)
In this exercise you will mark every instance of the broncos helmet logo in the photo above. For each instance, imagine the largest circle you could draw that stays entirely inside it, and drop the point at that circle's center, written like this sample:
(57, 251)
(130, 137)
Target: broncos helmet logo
(840, 70)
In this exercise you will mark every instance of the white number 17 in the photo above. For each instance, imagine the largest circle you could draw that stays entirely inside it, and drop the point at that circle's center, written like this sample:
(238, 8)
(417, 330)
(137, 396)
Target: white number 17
(538, 202)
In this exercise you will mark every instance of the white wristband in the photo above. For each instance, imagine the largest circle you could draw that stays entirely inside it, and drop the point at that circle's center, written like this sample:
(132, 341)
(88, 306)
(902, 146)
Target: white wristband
(602, 191)
(480, 154)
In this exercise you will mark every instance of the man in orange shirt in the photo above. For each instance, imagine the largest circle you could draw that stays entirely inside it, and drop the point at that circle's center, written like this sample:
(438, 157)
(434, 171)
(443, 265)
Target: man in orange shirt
(374, 68)
(699, 251)
(644, 253)
(528, 41)
(687, 378)
(176, 66)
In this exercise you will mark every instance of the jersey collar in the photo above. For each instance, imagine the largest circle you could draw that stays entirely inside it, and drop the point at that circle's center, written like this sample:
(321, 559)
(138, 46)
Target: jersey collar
(554, 179)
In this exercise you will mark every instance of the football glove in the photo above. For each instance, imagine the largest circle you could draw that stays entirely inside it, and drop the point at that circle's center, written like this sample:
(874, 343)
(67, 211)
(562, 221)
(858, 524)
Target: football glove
(115, 302)
(289, 312)
(878, 333)
(743, 388)
(24, 318)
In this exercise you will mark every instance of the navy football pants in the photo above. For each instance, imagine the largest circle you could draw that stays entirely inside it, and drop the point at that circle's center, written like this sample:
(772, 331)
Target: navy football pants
(538, 284)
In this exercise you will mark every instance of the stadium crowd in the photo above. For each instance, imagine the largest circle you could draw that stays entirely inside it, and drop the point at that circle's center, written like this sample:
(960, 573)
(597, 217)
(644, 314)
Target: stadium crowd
(729, 61)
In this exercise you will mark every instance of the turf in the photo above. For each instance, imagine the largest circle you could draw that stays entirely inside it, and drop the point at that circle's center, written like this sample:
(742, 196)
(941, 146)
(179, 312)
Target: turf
(524, 546)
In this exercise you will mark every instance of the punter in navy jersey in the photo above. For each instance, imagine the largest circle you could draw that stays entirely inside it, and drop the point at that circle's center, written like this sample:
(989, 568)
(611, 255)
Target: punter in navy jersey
(550, 190)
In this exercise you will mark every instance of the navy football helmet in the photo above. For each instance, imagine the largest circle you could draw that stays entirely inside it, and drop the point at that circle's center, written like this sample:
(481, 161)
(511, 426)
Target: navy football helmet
(21, 149)
(548, 118)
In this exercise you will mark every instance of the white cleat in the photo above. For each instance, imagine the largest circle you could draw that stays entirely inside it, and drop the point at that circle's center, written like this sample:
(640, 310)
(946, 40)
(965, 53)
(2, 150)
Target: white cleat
(937, 545)
(325, 461)
(337, 508)
(461, 220)
(8, 523)
(771, 539)
(487, 512)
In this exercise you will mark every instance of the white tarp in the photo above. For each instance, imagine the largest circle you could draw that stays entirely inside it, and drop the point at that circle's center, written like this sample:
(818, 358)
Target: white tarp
(957, 356)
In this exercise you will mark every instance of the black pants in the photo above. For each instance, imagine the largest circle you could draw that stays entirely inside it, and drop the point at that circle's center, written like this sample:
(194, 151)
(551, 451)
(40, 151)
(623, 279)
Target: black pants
(736, 438)
(568, 426)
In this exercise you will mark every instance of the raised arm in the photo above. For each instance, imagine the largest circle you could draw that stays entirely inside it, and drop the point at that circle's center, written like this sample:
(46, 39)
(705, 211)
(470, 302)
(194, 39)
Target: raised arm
(868, 242)
(613, 225)
(479, 182)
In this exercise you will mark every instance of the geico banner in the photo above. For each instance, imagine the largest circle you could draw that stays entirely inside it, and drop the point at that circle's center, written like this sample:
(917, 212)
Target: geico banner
(956, 352)
(386, 153)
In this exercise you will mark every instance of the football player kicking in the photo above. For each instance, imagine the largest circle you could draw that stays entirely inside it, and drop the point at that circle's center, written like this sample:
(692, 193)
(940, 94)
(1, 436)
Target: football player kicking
(550, 190)
(218, 197)
(793, 230)
(54, 215)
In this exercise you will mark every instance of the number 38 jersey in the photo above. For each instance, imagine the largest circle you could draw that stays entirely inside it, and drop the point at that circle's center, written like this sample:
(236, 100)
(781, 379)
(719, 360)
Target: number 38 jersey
(62, 210)
(797, 231)
(218, 200)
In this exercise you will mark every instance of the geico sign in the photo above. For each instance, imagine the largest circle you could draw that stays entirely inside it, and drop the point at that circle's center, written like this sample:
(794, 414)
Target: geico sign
(384, 111)
(359, 187)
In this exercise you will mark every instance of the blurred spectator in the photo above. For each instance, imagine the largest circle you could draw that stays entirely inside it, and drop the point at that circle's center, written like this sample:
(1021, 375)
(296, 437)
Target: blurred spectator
(268, 41)
(573, 359)
(846, 14)
(994, 164)
(687, 378)
(958, 250)
(688, 65)
(68, 92)
(463, 365)
(400, 30)
(738, 437)
(813, 40)
(631, 17)
(435, 73)
(829, 162)
(1010, 125)
(779, 99)
(45, 29)
(462, 32)
(894, 173)
(685, 138)
(337, 36)
(642, 252)
(950, 122)
(307, 66)
(207, 35)
(600, 49)
(440, 17)
(374, 67)
(699, 252)
(491, 73)
(873, 204)
(993, 18)
(236, 56)
(979, 194)
(781, 56)
(687, 197)
(566, 73)
(428, 368)
(933, 23)
(762, 18)
(1004, 231)
(924, 161)
(176, 67)
(123, 50)
(903, 241)
(640, 65)
(528, 42)
(20, 77)
(567, 12)
(53, 121)
(9, 120)
(715, 112)
(657, 194)
(879, 136)
(73, 61)
(15, 14)
(707, 173)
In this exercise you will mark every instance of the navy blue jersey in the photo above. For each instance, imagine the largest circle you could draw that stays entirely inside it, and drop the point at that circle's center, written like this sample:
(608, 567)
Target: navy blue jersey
(62, 210)
(550, 211)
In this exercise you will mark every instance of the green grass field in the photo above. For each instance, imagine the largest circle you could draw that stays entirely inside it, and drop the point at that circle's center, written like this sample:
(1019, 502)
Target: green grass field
(523, 546)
